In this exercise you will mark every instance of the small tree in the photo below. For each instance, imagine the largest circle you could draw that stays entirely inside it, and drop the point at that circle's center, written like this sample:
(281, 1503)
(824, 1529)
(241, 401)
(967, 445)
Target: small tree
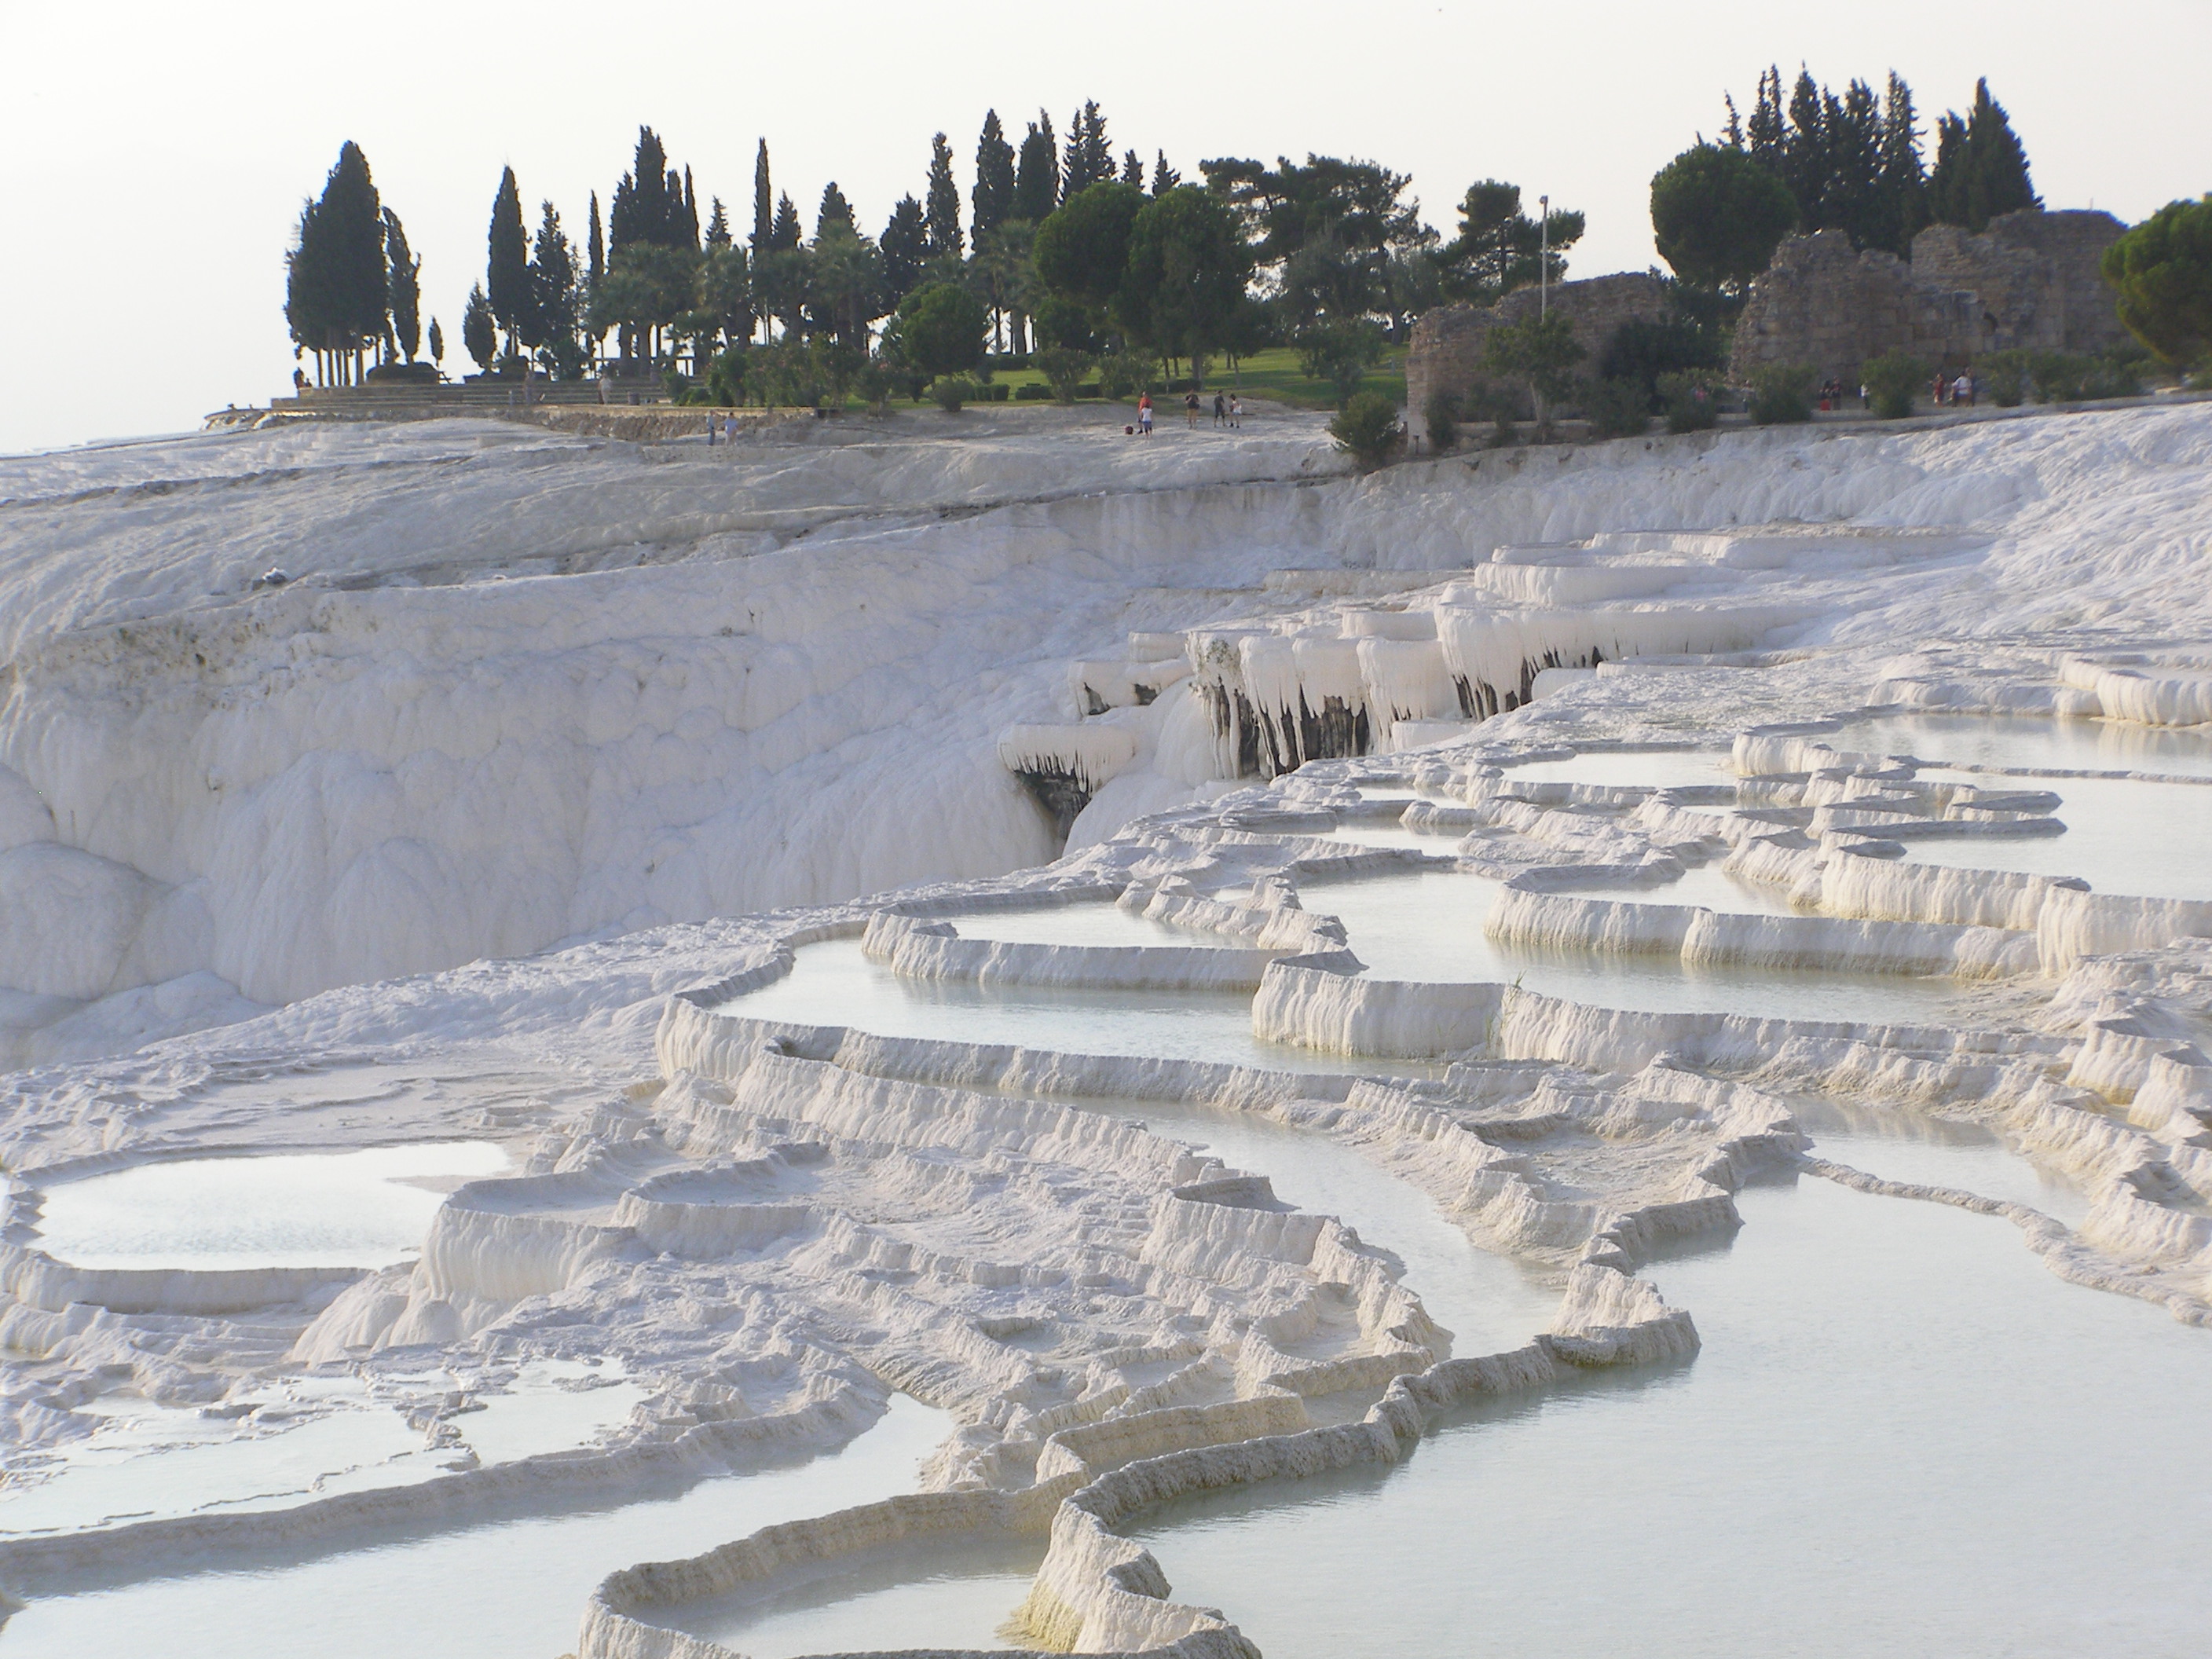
(1616, 407)
(941, 329)
(405, 287)
(1082, 248)
(1441, 415)
(1690, 401)
(1540, 353)
(1782, 393)
(1341, 353)
(480, 330)
(1064, 369)
(1367, 429)
(1894, 379)
(2003, 375)
(2162, 272)
(1717, 216)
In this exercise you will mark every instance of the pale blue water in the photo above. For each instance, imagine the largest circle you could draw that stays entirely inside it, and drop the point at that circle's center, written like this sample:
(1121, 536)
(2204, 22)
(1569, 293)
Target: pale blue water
(1904, 1435)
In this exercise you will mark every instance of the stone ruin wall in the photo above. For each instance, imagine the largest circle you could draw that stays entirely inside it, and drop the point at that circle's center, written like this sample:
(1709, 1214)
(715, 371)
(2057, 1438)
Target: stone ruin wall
(1449, 343)
(2030, 281)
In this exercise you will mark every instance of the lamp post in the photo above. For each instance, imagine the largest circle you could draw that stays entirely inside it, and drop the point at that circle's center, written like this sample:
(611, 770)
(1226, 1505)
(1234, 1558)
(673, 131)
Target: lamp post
(1544, 258)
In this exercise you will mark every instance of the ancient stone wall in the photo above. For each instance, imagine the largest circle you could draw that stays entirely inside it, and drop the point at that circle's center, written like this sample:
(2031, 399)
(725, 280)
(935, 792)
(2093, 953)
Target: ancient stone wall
(2030, 281)
(1449, 342)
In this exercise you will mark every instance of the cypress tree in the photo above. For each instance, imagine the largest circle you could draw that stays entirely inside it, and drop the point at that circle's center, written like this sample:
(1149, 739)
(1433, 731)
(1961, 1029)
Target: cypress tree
(1036, 179)
(1766, 129)
(1996, 164)
(993, 200)
(718, 225)
(337, 289)
(405, 296)
(1805, 153)
(1133, 169)
(1947, 180)
(1852, 126)
(785, 231)
(621, 216)
(306, 305)
(942, 204)
(763, 204)
(598, 248)
(835, 211)
(690, 207)
(437, 342)
(1901, 182)
(905, 247)
(480, 330)
(1089, 158)
(680, 227)
(552, 316)
(649, 191)
(1164, 178)
(506, 271)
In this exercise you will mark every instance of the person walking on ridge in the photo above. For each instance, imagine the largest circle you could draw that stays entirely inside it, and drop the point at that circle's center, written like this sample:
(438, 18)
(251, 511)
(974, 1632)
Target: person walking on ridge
(1145, 415)
(1220, 410)
(1190, 410)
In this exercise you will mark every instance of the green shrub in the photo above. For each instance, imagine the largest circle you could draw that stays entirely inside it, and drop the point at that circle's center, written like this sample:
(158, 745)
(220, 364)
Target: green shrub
(1032, 393)
(1126, 373)
(1366, 428)
(1441, 415)
(1894, 379)
(950, 393)
(1616, 407)
(2003, 375)
(1063, 369)
(2067, 377)
(1782, 393)
(997, 392)
(1089, 389)
(1692, 401)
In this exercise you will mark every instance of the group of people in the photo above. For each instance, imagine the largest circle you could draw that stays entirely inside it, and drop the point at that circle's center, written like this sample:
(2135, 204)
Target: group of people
(1954, 392)
(1830, 394)
(1227, 410)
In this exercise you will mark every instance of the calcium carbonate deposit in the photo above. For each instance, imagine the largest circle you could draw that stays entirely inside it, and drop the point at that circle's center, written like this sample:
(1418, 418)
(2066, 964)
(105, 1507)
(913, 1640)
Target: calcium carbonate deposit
(965, 1034)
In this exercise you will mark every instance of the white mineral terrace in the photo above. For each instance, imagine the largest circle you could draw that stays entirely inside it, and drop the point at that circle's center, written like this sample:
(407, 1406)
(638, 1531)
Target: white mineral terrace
(962, 1035)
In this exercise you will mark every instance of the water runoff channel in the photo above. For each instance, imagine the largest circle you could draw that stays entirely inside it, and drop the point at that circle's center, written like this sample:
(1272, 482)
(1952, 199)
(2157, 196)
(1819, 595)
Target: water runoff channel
(1902, 1432)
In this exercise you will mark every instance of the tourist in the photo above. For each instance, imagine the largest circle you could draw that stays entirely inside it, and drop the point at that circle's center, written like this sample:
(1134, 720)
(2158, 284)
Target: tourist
(299, 379)
(1962, 389)
(1220, 410)
(1235, 411)
(1190, 410)
(1865, 401)
(1941, 383)
(1145, 414)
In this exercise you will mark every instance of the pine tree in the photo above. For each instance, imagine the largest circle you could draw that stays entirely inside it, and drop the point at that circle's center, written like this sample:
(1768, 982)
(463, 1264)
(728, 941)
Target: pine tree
(835, 211)
(506, 271)
(763, 204)
(905, 247)
(992, 202)
(942, 205)
(1164, 178)
(404, 287)
(598, 249)
(1036, 179)
(718, 226)
(1133, 169)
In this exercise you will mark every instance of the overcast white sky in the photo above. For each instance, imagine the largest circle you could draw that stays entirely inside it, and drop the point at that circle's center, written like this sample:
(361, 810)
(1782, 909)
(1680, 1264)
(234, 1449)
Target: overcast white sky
(153, 157)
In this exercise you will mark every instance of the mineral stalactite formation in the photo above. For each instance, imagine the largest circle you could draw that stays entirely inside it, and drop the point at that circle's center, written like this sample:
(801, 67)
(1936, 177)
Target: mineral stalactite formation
(836, 883)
